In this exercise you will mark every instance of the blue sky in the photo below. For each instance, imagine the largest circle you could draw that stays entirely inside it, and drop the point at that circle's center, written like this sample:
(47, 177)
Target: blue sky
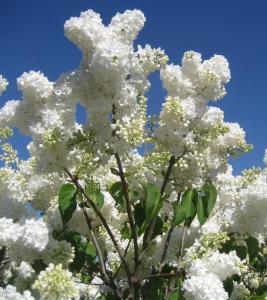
(32, 38)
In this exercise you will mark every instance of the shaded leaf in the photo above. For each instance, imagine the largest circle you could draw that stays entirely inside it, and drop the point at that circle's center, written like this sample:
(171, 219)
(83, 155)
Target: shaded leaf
(189, 203)
(180, 215)
(98, 199)
(206, 202)
(90, 250)
(228, 285)
(67, 202)
(139, 215)
(152, 204)
(116, 191)
(211, 194)
(157, 229)
(115, 171)
(253, 247)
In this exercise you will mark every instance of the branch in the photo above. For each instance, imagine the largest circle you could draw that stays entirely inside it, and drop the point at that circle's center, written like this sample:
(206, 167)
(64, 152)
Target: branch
(107, 279)
(128, 207)
(181, 250)
(95, 242)
(125, 253)
(167, 242)
(165, 181)
(157, 275)
(104, 222)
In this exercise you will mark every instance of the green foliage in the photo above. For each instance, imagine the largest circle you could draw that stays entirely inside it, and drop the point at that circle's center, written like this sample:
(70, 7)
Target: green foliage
(158, 229)
(139, 216)
(116, 191)
(82, 140)
(236, 245)
(152, 205)
(206, 201)
(253, 247)
(228, 285)
(67, 201)
(85, 260)
(198, 202)
(261, 297)
(92, 189)
(180, 214)
(38, 266)
(189, 203)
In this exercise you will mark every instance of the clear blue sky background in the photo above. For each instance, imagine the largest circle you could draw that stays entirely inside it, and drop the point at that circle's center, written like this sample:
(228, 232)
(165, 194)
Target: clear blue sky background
(32, 38)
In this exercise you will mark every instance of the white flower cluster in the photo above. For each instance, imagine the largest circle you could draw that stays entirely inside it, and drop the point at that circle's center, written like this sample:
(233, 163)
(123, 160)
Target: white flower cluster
(55, 283)
(205, 276)
(26, 239)
(190, 129)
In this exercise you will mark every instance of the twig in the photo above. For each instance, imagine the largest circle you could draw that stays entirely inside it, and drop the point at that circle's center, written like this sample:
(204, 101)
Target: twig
(157, 275)
(128, 207)
(104, 222)
(181, 250)
(165, 181)
(95, 242)
(125, 253)
(167, 241)
(107, 278)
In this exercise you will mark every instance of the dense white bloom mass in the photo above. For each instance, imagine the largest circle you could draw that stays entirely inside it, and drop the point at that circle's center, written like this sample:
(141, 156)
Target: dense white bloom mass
(207, 287)
(102, 208)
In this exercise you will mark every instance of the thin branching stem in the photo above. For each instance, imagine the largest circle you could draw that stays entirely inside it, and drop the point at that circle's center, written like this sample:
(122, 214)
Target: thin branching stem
(104, 222)
(128, 208)
(168, 238)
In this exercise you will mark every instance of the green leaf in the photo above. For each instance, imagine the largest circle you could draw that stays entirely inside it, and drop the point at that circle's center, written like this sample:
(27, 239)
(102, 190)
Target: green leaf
(154, 289)
(211, 195)
(228, 285)
(261, 289)
(115, 171)
(91, 187)
(139, 215)
(202, 214)
(253, 247)
(260, 297)
(152, 204)
(116, 191)
(90, 250)
(174, 295)
(180, 215)
(38, 266)
(67, 201)
(189, 204)
(241, 251)
(85, 278)
(205, 202)
(98, 199)
(84, 252)
(157, 229)
(152, 200)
